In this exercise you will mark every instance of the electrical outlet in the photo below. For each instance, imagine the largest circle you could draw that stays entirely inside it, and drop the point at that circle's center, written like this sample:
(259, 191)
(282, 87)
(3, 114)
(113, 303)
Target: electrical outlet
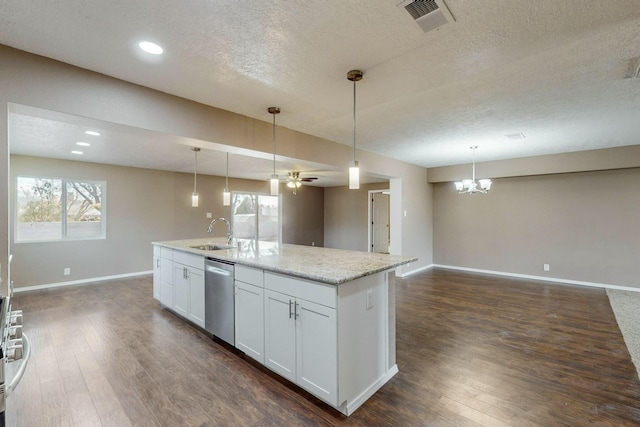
(546, 267)
(313, 243)
(209, 215)
(369, 300)
(67, 271)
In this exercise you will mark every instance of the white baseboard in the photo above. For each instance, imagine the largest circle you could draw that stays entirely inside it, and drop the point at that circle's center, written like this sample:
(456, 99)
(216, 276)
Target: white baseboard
(358, 401)
(416, 271)
(543, 278)
(80, 282)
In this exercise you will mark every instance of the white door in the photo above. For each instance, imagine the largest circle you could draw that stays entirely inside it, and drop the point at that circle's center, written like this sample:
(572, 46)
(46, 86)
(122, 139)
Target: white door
(180, 289)
(317, 350)
(250, 320)
(380, 223)
(157, 277)
(280, 334)
(196, 296)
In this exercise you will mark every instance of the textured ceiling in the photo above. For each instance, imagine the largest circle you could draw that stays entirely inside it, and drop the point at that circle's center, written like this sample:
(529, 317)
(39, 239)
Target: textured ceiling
(557, 71)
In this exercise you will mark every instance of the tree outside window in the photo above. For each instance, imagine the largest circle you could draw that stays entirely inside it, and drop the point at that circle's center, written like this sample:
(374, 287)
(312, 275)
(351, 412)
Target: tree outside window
(56, 209)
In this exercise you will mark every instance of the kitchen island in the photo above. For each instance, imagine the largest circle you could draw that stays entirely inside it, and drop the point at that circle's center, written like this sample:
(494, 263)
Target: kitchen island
(322, 318)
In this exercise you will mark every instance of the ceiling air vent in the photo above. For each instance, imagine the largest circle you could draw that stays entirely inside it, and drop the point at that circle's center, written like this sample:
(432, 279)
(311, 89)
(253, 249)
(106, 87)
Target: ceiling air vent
(428, 14)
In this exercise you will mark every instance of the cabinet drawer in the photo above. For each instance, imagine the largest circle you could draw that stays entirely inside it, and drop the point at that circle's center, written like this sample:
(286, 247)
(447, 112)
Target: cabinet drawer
(166, 253)
(319, 293)
(253, 276)
(191, 260)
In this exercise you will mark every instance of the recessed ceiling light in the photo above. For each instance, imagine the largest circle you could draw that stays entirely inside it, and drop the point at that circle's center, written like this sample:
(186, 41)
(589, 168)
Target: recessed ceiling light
(83, 144)
(92, 132)
(151, 48)
(76, 152)
(517, 135)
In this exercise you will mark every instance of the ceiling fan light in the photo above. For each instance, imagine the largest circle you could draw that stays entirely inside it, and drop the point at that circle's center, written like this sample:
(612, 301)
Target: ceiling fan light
(291, 184)
(354, 176)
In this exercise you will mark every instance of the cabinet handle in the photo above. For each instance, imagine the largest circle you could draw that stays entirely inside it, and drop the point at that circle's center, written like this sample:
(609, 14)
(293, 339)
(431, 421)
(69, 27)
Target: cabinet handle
(157, 262)
(290, 302)
(296, 310)
(184, 273)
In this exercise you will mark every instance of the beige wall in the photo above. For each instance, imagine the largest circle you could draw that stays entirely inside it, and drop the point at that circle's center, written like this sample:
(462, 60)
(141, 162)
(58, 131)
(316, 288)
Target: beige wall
(346, 216)
(585, 225)
(35, 81)
(143, 206)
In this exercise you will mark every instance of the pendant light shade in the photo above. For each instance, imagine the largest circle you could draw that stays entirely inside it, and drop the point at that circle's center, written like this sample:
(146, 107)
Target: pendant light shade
(226, 195)
(194, 195)
(354, 170)
(274, 181)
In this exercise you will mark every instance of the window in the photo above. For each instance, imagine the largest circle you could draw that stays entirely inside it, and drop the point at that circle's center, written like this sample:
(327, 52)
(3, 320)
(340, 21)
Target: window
(256, 216)
(57, 209)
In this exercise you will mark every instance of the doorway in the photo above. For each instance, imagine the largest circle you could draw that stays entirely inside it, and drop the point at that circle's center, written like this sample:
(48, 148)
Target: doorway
(379, 221)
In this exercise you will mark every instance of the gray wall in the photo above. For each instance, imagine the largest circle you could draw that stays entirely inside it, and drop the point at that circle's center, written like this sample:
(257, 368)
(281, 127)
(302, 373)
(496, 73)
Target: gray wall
(35, 81)
(346, 216)
(143, 206)
(585, 225)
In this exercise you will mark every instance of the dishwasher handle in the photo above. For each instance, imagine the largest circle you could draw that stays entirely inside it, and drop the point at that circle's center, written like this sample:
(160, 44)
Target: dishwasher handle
(216, 270)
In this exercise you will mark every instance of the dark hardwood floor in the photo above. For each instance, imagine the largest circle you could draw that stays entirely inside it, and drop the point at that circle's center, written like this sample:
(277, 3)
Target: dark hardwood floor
(472, 350)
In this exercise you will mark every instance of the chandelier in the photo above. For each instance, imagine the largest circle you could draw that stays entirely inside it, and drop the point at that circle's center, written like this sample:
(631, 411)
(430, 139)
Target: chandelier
(469, 186)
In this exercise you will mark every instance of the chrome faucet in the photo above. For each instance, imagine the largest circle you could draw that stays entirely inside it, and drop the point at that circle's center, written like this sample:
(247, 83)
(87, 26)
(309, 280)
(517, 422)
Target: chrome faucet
(229, 232)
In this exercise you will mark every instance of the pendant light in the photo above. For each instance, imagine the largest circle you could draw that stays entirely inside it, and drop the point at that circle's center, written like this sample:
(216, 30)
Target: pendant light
(194, 196)
(226, 195)
(275, 183)
(354, 170)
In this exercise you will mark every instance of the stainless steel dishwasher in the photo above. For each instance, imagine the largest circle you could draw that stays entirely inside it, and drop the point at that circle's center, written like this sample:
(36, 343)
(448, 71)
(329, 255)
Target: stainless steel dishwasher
(219, 309)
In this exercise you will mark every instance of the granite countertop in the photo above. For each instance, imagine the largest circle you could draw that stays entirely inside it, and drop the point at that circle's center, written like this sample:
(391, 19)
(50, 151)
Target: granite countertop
(332, 266)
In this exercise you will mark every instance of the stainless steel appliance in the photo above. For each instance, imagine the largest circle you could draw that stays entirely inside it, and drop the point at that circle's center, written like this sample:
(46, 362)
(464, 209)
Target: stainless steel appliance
(219, 297)
(14, 346)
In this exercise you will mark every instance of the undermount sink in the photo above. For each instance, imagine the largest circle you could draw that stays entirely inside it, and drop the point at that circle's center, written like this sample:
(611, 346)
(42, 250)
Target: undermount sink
(210, 247)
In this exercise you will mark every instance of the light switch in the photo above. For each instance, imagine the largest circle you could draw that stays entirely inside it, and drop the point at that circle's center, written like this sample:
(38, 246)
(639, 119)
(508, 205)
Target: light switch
(209, 215)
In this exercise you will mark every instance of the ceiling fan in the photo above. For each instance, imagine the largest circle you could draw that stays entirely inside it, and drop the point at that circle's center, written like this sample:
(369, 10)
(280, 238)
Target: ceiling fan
(294, 181)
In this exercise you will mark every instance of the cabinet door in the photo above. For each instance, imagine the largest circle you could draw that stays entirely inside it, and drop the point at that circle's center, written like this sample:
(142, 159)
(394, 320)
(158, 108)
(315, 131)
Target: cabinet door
(196, 296)
(280, 334)
(250, 320)
(317, 350)
(157, 278)
(166, 282)
(180, 289)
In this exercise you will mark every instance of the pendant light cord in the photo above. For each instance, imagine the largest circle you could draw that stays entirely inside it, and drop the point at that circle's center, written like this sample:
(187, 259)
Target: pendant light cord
(274, 144)
(354, 120)
(195, 171)
(226, 180)
(473, 163)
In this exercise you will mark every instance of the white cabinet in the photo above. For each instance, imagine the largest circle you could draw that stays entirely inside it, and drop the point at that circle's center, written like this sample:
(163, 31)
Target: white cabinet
(317, 350)
(188, 281)
(249, 320)
(280, 334)
(156, 272)
(166, 277)
(195, 308)
(301, 341)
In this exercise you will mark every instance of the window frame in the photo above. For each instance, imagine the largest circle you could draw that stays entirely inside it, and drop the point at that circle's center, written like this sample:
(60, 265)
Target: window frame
(63, 209)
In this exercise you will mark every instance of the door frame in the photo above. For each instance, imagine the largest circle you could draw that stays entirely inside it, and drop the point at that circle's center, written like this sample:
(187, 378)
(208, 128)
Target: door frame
(370, 215)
